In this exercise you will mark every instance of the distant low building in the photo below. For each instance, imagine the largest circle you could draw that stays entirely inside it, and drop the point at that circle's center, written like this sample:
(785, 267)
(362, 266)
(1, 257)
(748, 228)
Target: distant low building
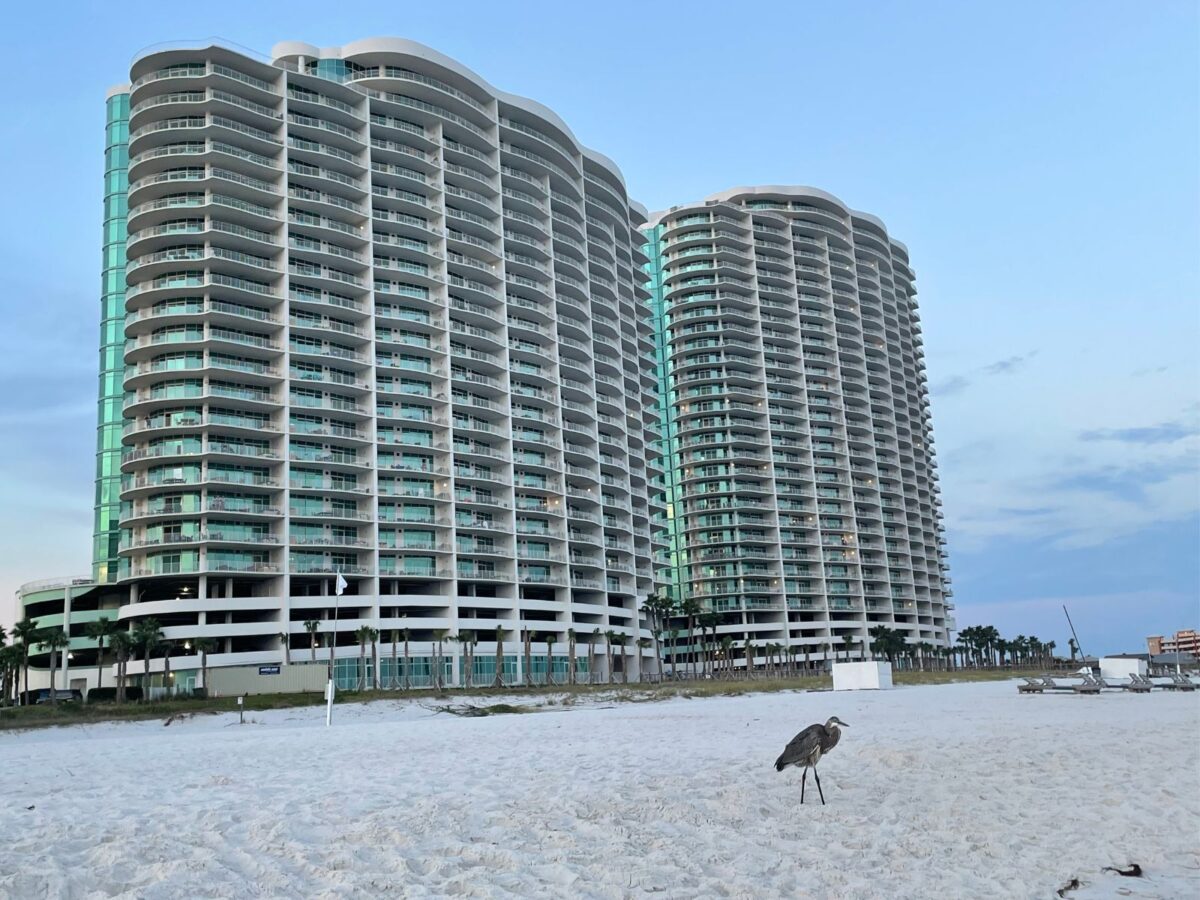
(1186, 641)
(1165, 663)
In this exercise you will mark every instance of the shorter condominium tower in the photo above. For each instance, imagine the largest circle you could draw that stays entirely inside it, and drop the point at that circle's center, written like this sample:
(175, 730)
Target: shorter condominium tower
(800, 480)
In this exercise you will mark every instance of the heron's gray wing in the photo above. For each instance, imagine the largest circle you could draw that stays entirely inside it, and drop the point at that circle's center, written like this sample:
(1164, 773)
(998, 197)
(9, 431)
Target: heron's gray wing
(830, 738)
(800, 748)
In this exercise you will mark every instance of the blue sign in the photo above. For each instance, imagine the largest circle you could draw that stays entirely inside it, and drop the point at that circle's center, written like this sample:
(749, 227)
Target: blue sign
(268, 670)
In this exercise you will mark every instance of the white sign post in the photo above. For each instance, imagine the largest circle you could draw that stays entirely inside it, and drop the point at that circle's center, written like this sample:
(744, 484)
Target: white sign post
(339, 586)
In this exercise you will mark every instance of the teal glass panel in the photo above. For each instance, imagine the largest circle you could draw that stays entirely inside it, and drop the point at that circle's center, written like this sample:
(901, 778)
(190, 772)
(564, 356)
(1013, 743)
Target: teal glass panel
(106, 531)
(668, 442)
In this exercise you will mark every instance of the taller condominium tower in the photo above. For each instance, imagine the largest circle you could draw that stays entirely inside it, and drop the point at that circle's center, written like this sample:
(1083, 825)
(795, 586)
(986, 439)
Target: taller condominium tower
(367, 318)
(801, 481)
(378, 320)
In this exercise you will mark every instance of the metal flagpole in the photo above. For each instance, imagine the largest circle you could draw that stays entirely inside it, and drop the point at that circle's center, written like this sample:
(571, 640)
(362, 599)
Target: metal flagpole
(339, 586)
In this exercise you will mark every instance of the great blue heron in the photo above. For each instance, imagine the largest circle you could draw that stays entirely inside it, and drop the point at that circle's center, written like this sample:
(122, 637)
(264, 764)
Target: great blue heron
(807, 748)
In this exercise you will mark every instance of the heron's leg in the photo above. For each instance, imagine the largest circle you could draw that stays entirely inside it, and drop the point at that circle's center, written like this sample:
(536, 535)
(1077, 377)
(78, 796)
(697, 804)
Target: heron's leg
(803, 778)
(819, 791)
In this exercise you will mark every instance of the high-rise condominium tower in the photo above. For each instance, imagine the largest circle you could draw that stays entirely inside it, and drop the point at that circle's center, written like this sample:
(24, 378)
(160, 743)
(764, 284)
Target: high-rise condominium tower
(367, 318)
(800, 478)
(378, 319)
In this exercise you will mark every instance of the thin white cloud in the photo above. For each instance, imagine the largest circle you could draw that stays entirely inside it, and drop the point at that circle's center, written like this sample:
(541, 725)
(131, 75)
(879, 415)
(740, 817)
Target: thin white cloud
(1098, 462)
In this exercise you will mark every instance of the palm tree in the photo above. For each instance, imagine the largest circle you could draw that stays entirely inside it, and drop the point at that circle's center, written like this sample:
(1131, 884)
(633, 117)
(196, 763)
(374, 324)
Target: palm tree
(847, 645)
(595, 639)
(204, 646)
(474, 644)
(3, 667)
(498, 677)
(147, 635)
(549, 639)
(608, 642)
(924, 651)
(713, 642)
(100, 631)
(659, 608)
(53, 639)
(658, 634)
(690, 609)
(643, 643)
(571, 641)
(528, 657)
(439, 635)
(990, 637)
(586, 639)
(749, 658)
(122, 645)
(7, 655)
(395, 671)
(312, 626)
(887, 641)
(619, 639)
(962, 645)
(407, 635)
(10, 669)
(167, 647)
(362, 635)
(27, 631)
(455, 639)
(375, 658)
(727, 655)
(708, 622)
(468, 639)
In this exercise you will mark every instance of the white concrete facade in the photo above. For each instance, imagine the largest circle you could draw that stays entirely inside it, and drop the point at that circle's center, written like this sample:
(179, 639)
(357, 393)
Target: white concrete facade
(386, 321)
(806, 508)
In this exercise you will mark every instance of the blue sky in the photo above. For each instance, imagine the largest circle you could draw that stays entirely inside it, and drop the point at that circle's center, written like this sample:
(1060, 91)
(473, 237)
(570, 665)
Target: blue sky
(1038, 159)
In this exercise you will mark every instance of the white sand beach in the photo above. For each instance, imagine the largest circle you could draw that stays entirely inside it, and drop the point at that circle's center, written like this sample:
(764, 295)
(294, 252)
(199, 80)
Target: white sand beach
(953, 791)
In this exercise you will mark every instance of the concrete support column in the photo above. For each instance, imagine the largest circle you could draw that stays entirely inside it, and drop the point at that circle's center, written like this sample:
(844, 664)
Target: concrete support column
(66, 653)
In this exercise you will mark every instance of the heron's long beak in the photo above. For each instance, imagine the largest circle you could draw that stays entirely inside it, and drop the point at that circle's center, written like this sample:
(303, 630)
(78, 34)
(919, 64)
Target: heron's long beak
(843, 724)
